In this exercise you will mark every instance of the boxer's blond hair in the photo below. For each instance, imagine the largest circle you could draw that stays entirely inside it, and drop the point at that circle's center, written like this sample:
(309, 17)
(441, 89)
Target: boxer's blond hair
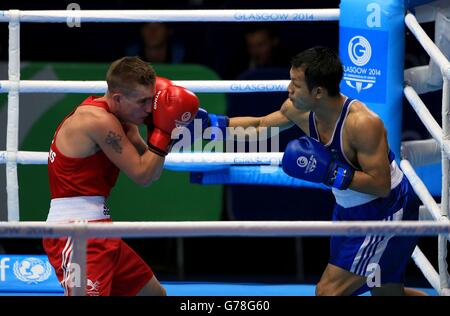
(125, 73)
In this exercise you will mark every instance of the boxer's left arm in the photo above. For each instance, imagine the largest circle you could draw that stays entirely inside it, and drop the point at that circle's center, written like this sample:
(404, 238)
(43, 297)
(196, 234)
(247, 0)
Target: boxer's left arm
(367, 137)
(307, 159)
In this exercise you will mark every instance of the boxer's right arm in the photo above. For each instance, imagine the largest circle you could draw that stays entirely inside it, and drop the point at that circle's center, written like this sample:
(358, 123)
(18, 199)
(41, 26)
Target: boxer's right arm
(107, 132)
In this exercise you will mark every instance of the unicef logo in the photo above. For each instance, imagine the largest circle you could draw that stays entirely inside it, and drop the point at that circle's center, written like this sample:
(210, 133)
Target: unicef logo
(359, 50)
(302, 161)
(32, 270)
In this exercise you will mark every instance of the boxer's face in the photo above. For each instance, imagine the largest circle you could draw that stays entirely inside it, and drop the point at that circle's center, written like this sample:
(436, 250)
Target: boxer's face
(136, 105)
(299, 92)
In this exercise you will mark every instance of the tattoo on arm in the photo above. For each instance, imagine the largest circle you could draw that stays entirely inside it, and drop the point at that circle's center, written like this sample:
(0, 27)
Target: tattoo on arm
(114, 139)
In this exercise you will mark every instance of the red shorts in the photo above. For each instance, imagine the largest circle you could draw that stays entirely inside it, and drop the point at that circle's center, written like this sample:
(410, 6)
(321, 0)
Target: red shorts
(113, 268)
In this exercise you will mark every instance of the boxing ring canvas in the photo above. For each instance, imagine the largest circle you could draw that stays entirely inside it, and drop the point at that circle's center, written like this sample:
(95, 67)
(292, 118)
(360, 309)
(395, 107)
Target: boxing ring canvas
(32, 275)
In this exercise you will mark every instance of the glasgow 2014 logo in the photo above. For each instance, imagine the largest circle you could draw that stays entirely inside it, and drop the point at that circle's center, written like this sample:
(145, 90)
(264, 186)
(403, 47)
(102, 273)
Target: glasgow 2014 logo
(357, 76)
(359, 50)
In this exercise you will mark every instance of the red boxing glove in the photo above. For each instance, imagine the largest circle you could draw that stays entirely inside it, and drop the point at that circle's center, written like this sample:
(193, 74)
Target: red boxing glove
(172, 107)
(162, 83)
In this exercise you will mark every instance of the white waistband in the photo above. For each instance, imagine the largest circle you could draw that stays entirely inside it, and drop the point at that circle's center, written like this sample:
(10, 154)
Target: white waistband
(78, 208)
(349, 198)
(396, 175)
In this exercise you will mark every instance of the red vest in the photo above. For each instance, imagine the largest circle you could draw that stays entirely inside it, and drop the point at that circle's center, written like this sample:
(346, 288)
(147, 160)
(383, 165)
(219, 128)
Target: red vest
(88, 176)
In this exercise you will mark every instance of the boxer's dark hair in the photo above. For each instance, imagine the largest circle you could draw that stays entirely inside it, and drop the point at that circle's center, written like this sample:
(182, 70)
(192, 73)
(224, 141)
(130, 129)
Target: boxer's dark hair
(322, 68)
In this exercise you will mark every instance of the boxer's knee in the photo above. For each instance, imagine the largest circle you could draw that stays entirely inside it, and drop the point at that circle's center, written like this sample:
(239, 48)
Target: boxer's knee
(324, 288)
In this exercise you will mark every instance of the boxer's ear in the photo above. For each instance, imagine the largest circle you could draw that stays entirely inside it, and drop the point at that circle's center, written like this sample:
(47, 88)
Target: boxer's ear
(318, 92)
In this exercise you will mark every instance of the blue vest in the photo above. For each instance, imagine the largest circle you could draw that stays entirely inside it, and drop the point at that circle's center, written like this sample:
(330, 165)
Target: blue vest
(335, 145)
(349, 198)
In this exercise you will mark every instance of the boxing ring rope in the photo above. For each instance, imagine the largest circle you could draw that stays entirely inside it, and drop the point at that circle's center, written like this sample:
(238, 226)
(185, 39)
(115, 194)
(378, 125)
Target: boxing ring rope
(223, 229)
(442, 136)
(430, 47)
(430, 210)
(428, 271)
(173, 159)
(13, 86)
(421, 190)
(81, 231)
(206, 86)
(245, 15)
(427, 119)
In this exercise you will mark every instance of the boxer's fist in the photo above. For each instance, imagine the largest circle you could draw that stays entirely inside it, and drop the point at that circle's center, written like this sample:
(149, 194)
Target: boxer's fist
(307, 159)
(204, 120)
(172, 107)
(162, 83)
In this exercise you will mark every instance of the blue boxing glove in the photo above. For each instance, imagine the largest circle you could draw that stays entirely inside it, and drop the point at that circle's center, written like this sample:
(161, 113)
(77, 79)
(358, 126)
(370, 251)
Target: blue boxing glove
(203, 120)
(307, 159)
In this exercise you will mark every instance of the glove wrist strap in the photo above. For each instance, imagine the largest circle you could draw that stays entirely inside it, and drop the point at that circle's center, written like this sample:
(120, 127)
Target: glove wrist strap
(341, 177)
(159, 142)
(157, 151)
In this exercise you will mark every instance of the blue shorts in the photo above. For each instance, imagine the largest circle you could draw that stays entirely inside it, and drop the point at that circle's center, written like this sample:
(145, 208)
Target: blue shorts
(361, 254)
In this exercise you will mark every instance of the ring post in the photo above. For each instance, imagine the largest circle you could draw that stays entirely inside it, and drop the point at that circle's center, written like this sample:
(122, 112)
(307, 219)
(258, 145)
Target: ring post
(12, 132)
(371, 47)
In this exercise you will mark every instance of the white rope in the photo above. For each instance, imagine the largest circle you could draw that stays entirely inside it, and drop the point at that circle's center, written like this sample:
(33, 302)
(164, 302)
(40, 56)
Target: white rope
(427, 268)
(427, 118)
(421, 190)
(31, 158)
(233, 228)
(27, 157)
(225, 158)
(206, 86)
(438, 215)
(421, 152)
(266, 15)
(174, 159)
(442, 136)
(425, 214)
(430, 47)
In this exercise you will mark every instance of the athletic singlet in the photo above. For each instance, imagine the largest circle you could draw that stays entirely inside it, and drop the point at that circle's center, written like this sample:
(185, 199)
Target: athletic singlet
(349, 198)
(94, 175)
